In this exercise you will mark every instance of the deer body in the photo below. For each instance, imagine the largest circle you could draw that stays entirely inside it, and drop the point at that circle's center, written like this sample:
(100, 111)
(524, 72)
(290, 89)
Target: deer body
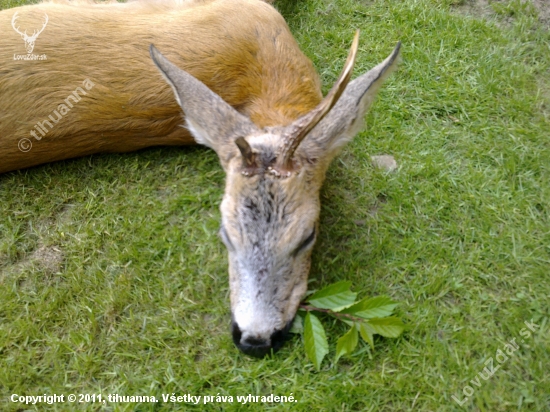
(240, 49)
(246, 91)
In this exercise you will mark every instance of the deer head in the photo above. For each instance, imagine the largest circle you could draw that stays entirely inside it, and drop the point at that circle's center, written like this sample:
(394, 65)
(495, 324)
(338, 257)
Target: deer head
(270, 209)
(29, 40)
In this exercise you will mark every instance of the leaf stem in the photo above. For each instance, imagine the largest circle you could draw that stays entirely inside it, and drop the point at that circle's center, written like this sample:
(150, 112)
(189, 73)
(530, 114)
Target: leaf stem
(309, 308)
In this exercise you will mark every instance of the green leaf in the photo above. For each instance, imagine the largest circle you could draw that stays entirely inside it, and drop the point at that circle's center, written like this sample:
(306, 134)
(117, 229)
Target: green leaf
(378, 307)
(334, 297)
(366, 333)
(347, 343)
(390, 327)
(315, 340)
(298, 325)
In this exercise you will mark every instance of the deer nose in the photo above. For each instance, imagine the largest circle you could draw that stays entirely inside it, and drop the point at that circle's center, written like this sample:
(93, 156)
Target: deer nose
(257, 346)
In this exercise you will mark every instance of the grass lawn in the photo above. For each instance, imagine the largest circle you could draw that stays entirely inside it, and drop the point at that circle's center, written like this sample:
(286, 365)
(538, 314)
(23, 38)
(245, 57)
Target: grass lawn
(113, 279)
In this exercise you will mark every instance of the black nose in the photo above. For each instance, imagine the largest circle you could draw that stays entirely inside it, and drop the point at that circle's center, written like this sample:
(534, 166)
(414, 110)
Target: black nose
(259, 347)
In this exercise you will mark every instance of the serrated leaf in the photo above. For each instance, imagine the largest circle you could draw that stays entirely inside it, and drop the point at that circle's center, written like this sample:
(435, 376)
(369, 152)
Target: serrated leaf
(297, 326)
(377, 307)
(366, 334)
(347, 343)
(334, 297)
(390, 327)
(315, 340)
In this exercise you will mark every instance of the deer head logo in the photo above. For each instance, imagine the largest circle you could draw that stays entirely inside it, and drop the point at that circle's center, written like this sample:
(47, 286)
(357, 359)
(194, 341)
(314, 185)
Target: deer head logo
(29, 40)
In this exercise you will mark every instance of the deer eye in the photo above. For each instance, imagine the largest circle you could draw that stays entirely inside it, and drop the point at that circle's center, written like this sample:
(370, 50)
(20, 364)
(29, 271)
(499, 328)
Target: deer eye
(225, 239)
(306, 242)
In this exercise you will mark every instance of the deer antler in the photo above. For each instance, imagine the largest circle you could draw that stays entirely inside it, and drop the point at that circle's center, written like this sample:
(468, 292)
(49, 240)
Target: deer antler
(35, 34)
(25, 35)
(15, 16)
(250, 166)
(301, 127)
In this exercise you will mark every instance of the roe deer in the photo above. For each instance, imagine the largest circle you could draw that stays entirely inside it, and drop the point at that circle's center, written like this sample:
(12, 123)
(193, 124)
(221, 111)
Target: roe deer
(246, 91)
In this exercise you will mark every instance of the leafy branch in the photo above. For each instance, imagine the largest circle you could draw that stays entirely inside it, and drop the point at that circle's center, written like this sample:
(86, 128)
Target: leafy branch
(367, 317)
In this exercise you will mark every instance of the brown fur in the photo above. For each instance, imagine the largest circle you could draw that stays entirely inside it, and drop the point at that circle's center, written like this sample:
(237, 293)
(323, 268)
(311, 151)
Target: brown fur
(241, 49)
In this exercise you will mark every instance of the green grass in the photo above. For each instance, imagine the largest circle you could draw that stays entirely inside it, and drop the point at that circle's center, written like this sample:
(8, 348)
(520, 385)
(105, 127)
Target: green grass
(131, 296)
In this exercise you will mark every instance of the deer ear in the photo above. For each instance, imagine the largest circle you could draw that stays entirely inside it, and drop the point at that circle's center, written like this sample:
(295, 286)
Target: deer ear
(212, 121)
(346, 118)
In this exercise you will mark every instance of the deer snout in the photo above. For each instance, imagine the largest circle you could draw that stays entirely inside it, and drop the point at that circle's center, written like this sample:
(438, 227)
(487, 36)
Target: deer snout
(259, 344)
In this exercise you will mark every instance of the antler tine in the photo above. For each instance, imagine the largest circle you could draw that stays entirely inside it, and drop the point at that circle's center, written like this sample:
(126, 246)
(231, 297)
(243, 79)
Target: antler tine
(13, 19)
(37, 32)
(301, 127)
(249, 157)
(45, 23)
